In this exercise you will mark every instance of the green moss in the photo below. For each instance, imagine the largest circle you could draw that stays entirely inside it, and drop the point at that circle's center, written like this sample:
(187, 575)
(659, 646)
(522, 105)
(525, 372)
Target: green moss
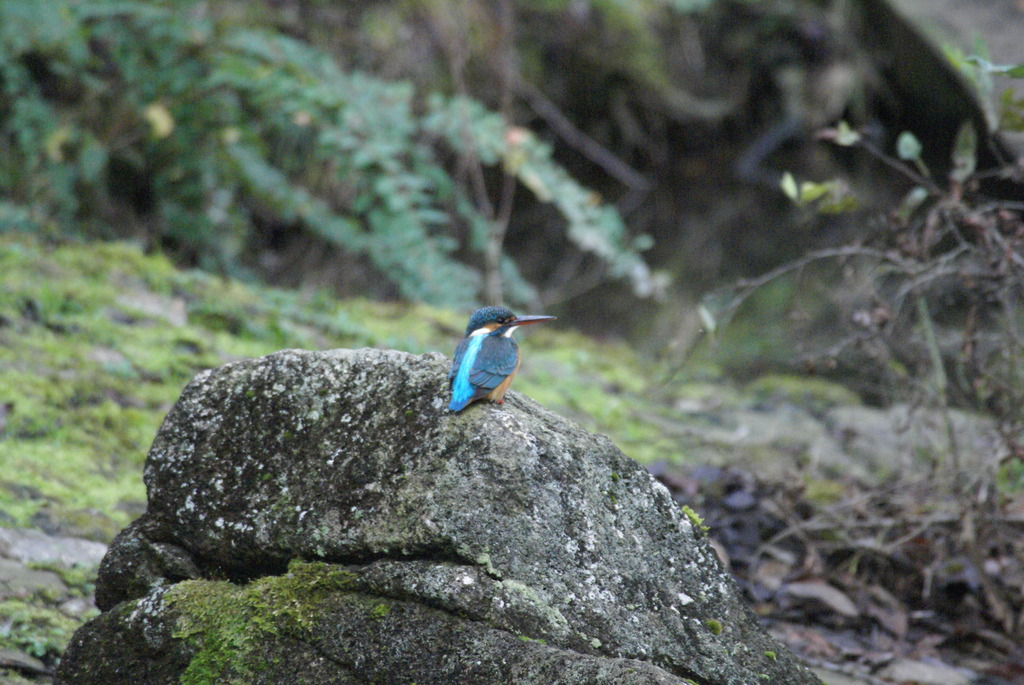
(771, 656)
(552, 616)
(12, 677)
(227, 623)
(42, 631)
(817, 394)
(695, 518)
(603, 386)
(714, 625)
(823, 492)
(79, 580)
(483, 559)
(1011, 476)
(215, 621)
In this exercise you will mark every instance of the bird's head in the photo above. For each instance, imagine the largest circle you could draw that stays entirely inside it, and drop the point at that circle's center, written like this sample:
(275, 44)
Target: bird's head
(489, 320)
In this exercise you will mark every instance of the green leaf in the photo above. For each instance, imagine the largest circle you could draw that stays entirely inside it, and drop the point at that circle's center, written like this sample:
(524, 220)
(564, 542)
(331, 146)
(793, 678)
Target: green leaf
(1009, 70)
(845, 135)
(939, 380)
(789, 187)
(707, 318)
(911, 201)
(811, 190)
(964, 155)
(839, 203)
(908, 147)
(1011, 111)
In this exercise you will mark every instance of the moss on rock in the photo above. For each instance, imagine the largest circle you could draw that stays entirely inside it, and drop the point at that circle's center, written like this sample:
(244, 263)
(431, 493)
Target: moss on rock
(230, 625)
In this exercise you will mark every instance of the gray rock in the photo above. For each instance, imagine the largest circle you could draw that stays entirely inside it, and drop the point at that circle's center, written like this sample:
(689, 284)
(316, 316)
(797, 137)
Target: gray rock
(78, 607)
(765, 438)
(31, 546)
(20, 661)
(17, 580)
(925, 673)
(323, 514)
(907, 438)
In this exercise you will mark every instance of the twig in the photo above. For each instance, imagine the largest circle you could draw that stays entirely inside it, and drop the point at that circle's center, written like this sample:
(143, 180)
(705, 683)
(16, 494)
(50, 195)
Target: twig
(573, 288)
(454, 43)
(923, 523)
(749, 285)
(902, 168)
(587, 146)
(1011, 253)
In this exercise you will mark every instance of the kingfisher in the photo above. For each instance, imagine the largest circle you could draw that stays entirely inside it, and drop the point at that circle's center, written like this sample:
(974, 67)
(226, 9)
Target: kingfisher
(487, 358)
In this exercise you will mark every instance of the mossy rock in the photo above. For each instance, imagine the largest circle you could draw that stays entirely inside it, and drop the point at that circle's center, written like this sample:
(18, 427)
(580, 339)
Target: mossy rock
(327, 506)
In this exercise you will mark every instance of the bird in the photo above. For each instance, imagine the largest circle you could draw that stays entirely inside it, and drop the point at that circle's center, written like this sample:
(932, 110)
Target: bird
(487, 358)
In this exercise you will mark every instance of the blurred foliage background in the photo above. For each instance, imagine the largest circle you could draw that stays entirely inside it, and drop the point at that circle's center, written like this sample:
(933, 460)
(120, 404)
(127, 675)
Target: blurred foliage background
(219, 133)
(615, 164)
(618, 165)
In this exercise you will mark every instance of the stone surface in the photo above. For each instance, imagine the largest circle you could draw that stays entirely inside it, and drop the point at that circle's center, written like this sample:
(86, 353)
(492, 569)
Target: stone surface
(34, 547)
(322, 517)
(906, 438)
(954, 22)
(850, 441)
(914, 672)
(17, 580)
(19, 661)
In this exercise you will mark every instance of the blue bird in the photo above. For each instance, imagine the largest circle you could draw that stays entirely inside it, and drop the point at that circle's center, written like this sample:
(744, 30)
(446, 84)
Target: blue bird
(487, 358)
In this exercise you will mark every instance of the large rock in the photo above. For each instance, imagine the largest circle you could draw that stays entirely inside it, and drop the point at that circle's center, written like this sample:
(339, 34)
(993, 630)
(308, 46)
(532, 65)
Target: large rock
(321, 517)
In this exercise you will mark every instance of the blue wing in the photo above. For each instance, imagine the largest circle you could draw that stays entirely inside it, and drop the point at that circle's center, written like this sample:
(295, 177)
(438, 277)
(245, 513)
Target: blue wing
(460, 352)
(497, 358)
(481, 363)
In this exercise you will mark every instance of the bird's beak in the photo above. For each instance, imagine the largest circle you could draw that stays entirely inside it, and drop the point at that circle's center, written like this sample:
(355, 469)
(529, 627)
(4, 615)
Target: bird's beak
(524, 320)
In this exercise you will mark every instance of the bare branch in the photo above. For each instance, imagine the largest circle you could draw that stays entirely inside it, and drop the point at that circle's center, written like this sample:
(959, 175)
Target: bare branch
(580, 141)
